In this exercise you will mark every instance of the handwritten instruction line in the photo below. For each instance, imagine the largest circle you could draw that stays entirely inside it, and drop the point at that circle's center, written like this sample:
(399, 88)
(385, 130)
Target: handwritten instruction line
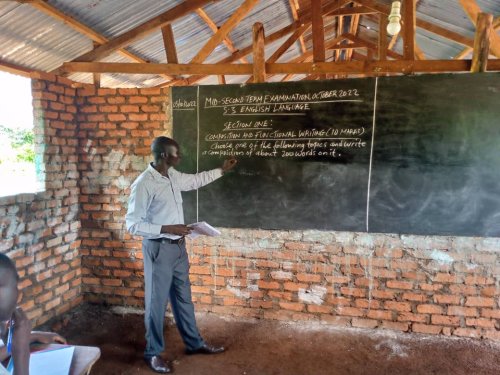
(279, 103)
(276, 139)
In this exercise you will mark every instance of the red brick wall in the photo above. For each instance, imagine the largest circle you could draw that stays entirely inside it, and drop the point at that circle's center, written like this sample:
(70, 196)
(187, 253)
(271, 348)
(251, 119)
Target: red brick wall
(438, 285)
(40, 230)
(116, 127)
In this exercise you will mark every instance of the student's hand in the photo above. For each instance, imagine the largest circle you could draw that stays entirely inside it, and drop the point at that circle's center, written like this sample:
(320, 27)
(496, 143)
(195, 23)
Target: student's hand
(178, 229)
(21, 342)
(229, 164)
(47, 338)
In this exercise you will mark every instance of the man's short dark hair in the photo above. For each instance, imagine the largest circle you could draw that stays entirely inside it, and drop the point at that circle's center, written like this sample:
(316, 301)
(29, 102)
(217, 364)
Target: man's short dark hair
(6, 265)
(158, 145)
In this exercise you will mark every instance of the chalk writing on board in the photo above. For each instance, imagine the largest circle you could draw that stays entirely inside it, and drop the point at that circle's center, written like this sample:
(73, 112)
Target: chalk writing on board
(266, 137)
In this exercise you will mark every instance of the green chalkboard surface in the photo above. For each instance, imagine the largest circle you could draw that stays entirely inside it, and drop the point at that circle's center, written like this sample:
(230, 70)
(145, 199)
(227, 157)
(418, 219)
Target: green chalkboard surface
(414, 154)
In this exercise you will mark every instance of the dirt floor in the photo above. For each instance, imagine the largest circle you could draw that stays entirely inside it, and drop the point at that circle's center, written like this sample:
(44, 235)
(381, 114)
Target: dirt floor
(257, 347)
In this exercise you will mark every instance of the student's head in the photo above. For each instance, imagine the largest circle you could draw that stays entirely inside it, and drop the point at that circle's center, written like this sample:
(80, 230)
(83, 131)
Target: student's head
(8, 287)
(164, 148)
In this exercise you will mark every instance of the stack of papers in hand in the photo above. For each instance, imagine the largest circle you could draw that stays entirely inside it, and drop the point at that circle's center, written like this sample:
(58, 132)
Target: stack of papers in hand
(202, 229)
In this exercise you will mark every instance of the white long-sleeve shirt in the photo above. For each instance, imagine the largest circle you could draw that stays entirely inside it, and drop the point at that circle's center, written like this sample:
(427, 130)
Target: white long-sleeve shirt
(156, 200)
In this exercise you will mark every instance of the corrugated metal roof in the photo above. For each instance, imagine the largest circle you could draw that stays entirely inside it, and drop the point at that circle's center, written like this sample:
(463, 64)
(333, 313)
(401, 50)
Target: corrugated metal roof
(33, 39)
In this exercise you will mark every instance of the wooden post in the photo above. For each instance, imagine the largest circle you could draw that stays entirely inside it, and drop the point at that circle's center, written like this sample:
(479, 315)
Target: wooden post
(382, 37)
(96, 76)
(259, 61)
(409, 27)
(481, 43)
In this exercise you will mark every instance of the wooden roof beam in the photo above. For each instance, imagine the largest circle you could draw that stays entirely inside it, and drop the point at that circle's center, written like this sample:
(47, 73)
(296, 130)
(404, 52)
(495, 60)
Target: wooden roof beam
(82, 29)
(142, 30)
(294, 7)
(467, 50)
(222, 32)
(15, 69)
(481, 43)
(343, 67)
(373, 46)
(211, 24)
(429, 26)
(409, 27)
(305, 19)
(259, 62)
(472, 10)
(317, 31)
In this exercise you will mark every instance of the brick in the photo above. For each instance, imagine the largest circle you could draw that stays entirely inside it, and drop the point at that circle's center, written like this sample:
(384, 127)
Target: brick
(312, 278)
(396, 326)
(424, 328)
(415, 297)
(293, 306)
(364, 323)
(480, 302)
(397, 306)
(407, 316)
(445, 320)
(480, 322)
(462, 311)
(350, 311)
(446, 299)
(429, 309)
(396, 284)
(379, 314)
(268, 284)
(467, 332)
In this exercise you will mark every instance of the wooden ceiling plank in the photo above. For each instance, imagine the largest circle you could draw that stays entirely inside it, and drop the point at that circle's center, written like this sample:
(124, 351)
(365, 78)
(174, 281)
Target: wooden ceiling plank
(342, 67)
(294, 7)
(222, 32)
(318, 35)
(409, 27)
(142, 30)
(472, 10)
(429, 26)
(259, 59)
(481, 43)
(213, 26)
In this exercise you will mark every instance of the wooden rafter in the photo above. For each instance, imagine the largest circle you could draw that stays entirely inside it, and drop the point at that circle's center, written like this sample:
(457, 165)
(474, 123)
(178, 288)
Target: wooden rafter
(222, 32)
(294, 7)
(15, 69)
(351, 11)
(382, 37)
(372, 46)
(169, 43)
(318, 35)
(409, 28)
(305, 19)
(213, 26)
(467, 50)
(429, 26)
(142, 30)
(259, 63)
(353, 29)
(82, 29)
(472, 10)
(343, 67)
(481, 43)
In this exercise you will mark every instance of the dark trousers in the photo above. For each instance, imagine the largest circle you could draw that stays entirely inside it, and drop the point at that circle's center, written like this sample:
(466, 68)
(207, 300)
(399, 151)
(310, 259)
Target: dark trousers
(166, 277)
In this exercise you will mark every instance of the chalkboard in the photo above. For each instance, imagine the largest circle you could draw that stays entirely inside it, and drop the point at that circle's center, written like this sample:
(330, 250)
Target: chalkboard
(416, 154)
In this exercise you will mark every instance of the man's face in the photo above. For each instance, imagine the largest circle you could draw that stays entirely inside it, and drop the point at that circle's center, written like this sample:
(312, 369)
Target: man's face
(8, 295)
(172, 154)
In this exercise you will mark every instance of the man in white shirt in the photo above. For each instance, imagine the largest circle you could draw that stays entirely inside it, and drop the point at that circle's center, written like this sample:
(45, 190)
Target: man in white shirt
(155, 213)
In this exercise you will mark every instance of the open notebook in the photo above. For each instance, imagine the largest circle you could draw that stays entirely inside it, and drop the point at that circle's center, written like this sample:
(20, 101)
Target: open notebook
(55, 361)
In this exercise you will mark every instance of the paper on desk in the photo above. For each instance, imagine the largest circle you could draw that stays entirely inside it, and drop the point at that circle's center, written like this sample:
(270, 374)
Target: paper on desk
(51, 362)
(202, 229)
